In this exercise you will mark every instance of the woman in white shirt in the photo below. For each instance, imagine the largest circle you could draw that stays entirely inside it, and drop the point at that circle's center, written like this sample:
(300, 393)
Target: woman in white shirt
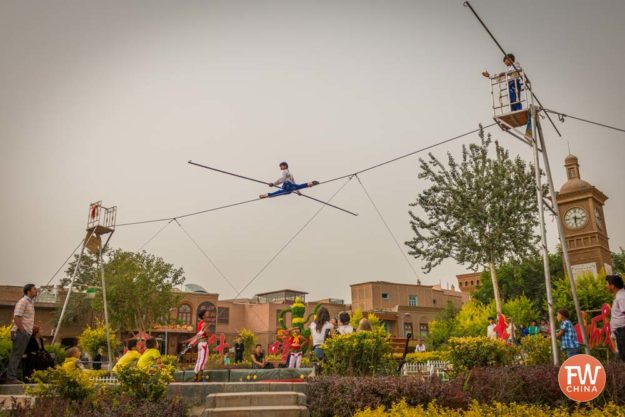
(320, 329)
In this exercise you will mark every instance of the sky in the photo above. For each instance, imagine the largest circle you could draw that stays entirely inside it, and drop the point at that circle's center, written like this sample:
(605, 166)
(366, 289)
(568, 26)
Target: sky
(108, 100)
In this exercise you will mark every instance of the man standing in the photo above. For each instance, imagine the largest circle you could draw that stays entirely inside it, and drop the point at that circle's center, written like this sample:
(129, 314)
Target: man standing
(617, 320)
(490, 329)
(23, 322)
(567, 335)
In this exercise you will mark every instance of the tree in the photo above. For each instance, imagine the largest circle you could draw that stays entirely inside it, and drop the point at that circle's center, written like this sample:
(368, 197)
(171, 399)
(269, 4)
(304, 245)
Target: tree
(618, 260)
(516, 278)
(478, 211)
(139, 288)
(591, 292)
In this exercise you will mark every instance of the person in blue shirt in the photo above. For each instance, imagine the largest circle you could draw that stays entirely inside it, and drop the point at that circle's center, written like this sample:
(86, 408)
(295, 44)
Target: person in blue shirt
(567, 334)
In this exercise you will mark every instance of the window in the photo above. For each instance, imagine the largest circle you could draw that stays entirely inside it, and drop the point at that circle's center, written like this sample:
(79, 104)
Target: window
(478, 282)
(386, 296)
(434, 301)
(223, 315)
(184, 314)
(387, 327)
(278, 318)
(471, 282)
(423, 330)
(407, 329)
(413, 301)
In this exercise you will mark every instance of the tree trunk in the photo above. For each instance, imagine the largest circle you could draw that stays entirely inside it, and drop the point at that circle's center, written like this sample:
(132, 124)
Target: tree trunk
(493, 277)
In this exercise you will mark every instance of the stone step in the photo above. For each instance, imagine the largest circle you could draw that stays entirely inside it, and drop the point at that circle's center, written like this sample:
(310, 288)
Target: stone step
(255, 399)
(258, 411)
(10, 402)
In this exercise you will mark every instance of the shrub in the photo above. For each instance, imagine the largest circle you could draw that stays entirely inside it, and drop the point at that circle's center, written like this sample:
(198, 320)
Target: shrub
(470, 352)
(5, 346)
(94, 338)
(69, 385)
(249, 339)
(150, 384)
(359, 353)
(58, 352)
(104, 406)
(422, 357)
(476, 409)
(536, 350)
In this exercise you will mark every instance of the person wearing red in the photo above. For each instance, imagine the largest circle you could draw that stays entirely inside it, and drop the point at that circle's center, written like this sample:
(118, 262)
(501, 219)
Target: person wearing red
(295, 348)
(202, 346)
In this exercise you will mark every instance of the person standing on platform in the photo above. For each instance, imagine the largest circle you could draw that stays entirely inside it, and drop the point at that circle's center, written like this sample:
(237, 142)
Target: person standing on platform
(23, 322)
(617, 320)
(239, 348)
(202, 346)
(514, 81)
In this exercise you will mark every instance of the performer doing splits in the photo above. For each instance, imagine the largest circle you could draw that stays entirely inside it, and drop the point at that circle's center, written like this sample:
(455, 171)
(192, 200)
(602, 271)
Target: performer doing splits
(203, 344)
(288, 183)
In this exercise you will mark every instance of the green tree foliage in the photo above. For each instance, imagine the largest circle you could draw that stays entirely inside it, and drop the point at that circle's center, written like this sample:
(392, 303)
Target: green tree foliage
(359, 354)
(516, 278)
(472, 319)
(591, 292)
(139, 288)
(618, 261)
(480, 211)
(93, 338)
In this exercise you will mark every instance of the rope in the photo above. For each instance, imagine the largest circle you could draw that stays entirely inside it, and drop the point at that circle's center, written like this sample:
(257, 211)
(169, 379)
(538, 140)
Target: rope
(388, 228)
(561, 116)
(154, 236)
(289, 241)
(197, 245)
(408, 154)
(63, 264)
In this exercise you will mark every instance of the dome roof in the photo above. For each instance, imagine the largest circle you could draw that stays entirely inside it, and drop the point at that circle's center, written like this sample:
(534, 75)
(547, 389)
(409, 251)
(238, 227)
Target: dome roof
(570, 159)
(194, 288)
(576, 184)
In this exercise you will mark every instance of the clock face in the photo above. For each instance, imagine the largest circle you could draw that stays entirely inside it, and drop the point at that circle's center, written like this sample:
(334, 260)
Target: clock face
(575, 218)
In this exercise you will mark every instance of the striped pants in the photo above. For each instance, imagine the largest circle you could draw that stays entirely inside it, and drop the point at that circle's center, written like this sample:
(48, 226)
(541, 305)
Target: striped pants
(295, 360)
(202, 355)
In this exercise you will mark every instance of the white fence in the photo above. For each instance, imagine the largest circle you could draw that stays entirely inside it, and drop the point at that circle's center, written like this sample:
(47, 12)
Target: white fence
(105, 379)
(429, 368)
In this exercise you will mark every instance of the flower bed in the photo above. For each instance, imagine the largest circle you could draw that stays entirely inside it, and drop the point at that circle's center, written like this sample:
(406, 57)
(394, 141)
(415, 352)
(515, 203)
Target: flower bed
(536, 385)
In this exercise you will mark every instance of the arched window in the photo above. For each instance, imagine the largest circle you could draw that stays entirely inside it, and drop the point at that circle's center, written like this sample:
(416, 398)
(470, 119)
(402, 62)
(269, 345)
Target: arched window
(184, 314)
(471, 282)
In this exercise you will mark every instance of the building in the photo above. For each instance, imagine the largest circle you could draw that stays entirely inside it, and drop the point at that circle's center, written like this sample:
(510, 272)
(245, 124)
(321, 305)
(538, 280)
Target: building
(585, 228)
(404, 308)
(469, 282)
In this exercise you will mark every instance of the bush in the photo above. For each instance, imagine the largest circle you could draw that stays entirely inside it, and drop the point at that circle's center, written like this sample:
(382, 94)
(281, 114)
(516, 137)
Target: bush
(5, 346)
(476, 409)
(58, 352)
(343, 396)
(104, 406)
(149, 384)
(94, 338)
(69, 385)
(249, 340)
(536, 350)
(422, 357)
(359, 354)
(470, 352)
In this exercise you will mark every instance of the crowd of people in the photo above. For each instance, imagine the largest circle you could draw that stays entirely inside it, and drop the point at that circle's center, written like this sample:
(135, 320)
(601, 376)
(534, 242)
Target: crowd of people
(28, 347)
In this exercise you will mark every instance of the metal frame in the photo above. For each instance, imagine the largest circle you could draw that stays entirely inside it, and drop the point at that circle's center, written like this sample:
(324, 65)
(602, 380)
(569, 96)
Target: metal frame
(100, 220)
(533, 137)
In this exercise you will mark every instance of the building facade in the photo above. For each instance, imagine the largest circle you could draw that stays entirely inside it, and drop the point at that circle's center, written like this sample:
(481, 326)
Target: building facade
(404, 308)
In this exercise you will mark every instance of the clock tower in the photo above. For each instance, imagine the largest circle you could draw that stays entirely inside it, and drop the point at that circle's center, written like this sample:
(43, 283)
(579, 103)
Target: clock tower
(581, 211)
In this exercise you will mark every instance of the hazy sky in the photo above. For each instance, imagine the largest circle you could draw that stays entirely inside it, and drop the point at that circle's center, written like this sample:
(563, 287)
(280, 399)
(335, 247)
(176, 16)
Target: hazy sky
(108, 100)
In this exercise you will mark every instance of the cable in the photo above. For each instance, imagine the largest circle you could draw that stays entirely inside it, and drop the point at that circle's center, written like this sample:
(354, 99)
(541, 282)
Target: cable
(289, 241)
(561, 116)
(188, 214)
(388, 228)
(409, 154)
(528, 84)
(63, 264)
(323, 182)
(206, 256)
(154, 236)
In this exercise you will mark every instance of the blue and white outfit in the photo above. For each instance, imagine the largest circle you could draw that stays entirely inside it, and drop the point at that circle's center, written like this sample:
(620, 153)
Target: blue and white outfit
(288, 184)
(514, 87)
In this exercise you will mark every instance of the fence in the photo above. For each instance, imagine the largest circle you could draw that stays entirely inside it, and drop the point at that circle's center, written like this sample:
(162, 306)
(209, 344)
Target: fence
(429, 368)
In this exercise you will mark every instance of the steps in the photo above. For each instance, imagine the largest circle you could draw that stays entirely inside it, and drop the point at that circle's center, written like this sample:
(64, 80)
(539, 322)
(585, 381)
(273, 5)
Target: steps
(256, 404)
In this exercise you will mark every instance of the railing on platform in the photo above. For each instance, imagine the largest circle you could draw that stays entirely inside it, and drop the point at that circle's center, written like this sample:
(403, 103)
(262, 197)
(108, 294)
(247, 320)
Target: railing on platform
(427, 369)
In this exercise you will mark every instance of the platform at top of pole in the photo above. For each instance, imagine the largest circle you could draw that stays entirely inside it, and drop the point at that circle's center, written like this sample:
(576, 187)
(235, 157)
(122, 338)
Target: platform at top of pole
(101, 220)
(511, 99)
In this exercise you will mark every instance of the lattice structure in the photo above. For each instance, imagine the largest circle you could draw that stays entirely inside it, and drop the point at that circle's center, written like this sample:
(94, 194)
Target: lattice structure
(511, 99)
(100, 221)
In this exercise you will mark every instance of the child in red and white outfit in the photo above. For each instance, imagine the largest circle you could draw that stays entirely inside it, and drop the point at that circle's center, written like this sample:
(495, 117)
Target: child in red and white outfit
(295, 348)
